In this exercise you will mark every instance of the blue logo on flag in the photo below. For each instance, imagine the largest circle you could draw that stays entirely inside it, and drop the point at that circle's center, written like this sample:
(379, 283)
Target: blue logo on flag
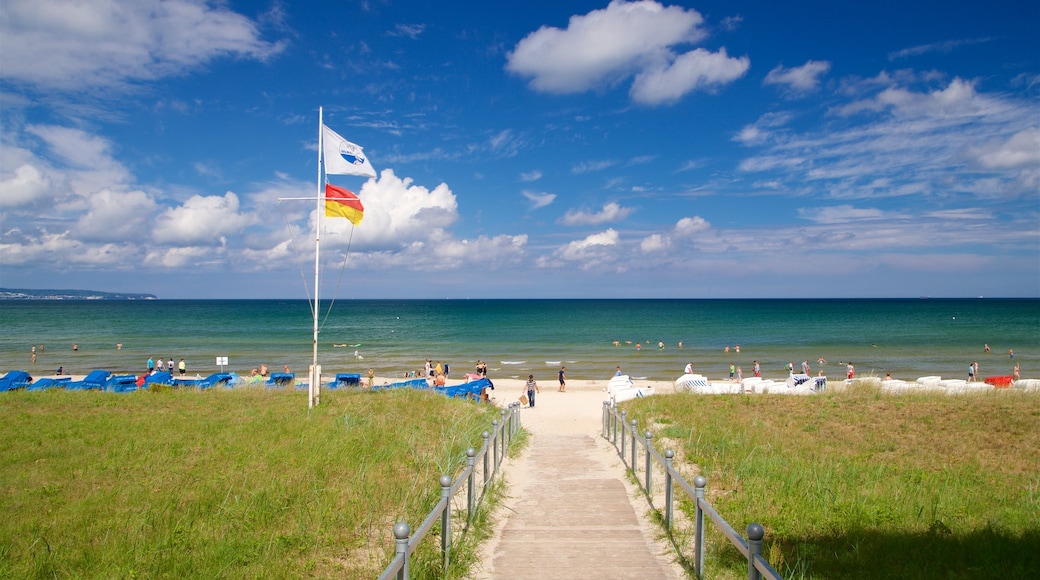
(353, 159)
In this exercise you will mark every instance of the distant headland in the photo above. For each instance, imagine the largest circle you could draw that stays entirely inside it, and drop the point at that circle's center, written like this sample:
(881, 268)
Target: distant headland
(32, 294)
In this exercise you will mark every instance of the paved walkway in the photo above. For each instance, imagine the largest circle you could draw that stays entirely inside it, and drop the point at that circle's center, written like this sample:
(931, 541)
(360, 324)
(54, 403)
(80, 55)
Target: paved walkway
(569, 510)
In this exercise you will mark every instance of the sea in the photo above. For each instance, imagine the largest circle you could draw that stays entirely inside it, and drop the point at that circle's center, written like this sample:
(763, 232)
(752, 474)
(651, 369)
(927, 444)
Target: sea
(651, 339)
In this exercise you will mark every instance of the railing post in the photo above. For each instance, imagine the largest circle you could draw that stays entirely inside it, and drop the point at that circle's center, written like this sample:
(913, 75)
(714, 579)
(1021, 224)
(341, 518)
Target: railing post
(485, 435)
(613, 426)
(401, 533)
(494, 441)
(669, 458)
(606, 419)
(624, 424)
(754, 545)
(649, 438)
(635, 434)
(471, 460)
(698, 525)
(446, 521)
(502, 413)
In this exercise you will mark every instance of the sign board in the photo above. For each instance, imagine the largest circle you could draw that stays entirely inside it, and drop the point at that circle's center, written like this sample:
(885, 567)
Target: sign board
(222, 361)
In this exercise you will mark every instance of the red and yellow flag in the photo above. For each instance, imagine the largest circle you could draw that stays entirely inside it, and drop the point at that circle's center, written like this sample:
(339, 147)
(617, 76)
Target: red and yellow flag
(340, 202)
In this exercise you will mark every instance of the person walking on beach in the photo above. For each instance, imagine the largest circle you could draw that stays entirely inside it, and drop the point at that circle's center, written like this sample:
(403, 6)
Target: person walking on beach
(971, 372)
(1016, 375)
(756, 369)
(850, 371)
(371, 377)
(532, 388)
(563, 380)
(732, 371)
(182, 367)
(151, 365)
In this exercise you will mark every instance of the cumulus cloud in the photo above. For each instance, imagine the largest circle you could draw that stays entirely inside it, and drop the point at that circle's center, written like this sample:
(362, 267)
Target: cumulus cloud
(689, 226)
(684, 229)
(539, 199)
(654, 243)
(201, 219)
(800, 79)
(611, 212)
(114, 216)
(23, 185)
(77, 45)
(591, 252)
(607, 46)
(397, 213)
(694, 70)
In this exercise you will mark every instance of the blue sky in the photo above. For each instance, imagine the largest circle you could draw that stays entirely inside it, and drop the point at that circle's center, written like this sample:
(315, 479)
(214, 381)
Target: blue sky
(537, 149)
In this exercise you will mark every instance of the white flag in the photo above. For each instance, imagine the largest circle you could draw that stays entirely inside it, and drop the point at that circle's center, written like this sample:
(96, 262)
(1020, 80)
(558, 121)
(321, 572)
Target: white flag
(343, 157)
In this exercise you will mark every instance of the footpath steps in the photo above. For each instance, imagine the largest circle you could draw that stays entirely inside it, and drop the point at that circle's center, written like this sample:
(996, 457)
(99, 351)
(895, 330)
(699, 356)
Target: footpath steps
(569, 511)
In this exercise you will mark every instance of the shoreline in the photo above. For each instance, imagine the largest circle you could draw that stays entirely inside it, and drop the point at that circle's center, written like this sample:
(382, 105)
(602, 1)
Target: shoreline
(509, 389)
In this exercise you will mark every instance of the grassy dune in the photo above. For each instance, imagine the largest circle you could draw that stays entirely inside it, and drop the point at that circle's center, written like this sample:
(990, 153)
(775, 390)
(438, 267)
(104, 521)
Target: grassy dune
(223, 483)
(864, 485)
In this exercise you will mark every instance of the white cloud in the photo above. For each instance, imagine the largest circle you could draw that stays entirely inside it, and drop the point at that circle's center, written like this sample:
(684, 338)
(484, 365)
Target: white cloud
(840, 214)
(114, 216)
(592, 251)
(690, 226)
(20, 187)
(654, 243)
(539, 199)
(530, 176)
(800, 79)
(695, 69)
(926, 141)
(612, 212)
(397, 213)
(77, 45)
(201, 220)
(1021, 150)
(607, 46)
(87, 158)
(590, 167)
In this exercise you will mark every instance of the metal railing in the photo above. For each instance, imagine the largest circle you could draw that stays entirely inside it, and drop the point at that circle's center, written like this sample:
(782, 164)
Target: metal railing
(616, 428)
(493, 451)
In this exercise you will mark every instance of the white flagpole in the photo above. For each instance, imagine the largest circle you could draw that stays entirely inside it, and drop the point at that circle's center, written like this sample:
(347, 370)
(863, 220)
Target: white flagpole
(312, 389)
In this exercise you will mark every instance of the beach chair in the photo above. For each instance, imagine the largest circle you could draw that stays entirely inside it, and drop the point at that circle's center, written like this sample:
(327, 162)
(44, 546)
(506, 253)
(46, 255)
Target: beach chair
(346, 380)
(94, 381)
(49, 383)
(160, 378)
(281, 380)
(121, 384)
(15, 380)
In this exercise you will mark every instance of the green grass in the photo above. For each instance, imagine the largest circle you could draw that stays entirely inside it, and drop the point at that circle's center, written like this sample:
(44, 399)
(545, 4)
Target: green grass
(864, 485)
(240, 483)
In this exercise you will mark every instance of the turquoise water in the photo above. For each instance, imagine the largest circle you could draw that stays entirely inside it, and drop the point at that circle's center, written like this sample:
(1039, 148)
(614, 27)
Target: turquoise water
(909, 338)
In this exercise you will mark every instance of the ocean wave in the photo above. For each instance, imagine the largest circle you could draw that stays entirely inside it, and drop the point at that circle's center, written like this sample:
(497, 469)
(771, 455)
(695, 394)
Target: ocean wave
(514, 362)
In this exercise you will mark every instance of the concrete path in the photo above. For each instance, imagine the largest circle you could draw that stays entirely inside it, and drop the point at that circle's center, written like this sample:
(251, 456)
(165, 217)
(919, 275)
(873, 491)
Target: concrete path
(570, 511)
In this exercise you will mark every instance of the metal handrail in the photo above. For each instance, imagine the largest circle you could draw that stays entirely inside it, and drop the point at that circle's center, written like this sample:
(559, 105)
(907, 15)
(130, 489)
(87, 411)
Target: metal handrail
(751, 548)
(503, 432)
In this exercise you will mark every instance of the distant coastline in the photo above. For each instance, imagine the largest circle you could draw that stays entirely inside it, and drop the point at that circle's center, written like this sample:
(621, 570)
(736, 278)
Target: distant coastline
(33, 294)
